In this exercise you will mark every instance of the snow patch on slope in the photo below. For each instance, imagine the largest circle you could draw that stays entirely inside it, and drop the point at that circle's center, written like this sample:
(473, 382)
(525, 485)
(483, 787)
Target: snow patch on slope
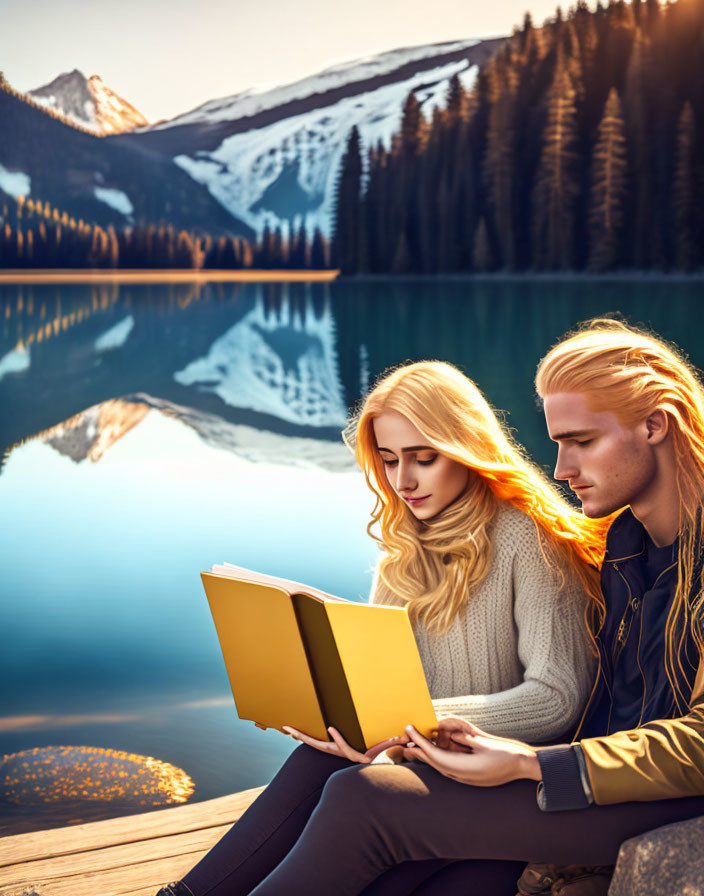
(115, 199)
(259, 99)
(15, 183)
(240, 171)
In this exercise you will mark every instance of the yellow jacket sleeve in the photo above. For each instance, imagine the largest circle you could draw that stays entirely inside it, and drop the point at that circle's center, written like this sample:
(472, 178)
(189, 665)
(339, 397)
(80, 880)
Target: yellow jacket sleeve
(660, 760)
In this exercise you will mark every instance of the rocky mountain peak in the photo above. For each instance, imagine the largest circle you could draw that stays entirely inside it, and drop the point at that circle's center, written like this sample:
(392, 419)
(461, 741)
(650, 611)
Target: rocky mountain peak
(89, 102)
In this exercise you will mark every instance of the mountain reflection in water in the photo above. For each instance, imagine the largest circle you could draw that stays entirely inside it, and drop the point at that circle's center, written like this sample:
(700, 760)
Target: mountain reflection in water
(149, 432)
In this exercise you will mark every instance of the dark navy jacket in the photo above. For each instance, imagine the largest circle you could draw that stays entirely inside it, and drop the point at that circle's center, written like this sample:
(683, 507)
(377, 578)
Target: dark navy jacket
(638, 582)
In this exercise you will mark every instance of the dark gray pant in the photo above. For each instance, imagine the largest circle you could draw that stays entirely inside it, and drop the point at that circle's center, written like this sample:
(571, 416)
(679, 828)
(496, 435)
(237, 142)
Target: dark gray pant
(326, 826)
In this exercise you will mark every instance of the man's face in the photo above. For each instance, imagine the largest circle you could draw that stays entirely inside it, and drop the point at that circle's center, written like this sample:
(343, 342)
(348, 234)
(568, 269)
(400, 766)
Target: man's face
(607, 465)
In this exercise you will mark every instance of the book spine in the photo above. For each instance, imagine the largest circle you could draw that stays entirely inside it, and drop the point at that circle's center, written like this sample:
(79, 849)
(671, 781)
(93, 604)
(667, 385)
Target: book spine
(328, 675)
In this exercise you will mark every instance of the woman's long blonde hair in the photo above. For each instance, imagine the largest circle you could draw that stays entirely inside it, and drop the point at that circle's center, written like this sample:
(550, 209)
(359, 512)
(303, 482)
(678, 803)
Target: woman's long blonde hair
(435, 566)
(631, 373)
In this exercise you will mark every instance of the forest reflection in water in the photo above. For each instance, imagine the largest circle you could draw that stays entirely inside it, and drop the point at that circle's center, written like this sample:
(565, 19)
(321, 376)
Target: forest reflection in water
(149, 432)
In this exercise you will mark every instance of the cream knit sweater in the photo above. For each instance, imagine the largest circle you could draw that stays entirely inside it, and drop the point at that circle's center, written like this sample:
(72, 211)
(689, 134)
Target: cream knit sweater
(515, 661)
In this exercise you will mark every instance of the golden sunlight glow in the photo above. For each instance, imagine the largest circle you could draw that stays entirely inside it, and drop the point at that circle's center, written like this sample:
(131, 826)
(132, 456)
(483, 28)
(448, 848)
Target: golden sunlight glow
(77, 774)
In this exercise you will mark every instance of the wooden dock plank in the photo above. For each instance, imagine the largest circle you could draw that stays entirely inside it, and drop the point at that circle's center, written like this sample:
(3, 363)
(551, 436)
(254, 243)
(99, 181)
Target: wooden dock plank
(143, 891)
(114, 882)
(127, 829)
(128, 856)
(112, 856)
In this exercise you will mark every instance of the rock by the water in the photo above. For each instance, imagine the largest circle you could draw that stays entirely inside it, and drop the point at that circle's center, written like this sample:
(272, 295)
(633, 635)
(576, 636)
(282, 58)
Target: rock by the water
(668, 861)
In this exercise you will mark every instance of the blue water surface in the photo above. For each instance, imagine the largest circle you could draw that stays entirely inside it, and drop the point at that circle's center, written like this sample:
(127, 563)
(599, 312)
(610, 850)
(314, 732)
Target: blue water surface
(150, 432)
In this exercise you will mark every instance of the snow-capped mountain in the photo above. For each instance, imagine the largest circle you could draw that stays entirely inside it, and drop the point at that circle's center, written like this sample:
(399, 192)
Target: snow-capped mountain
(251, 102)
(105, 180)
(89, 102)
(273, 156)
(232, 165)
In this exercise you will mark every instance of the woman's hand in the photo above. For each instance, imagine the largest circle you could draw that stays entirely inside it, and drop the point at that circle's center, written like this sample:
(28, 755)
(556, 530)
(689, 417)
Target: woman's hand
(339, 746)
(469, 755)
(450, 726)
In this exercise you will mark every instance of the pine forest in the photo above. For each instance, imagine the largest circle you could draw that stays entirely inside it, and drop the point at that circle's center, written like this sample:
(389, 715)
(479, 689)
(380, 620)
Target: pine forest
(580, 147)
(35, 235)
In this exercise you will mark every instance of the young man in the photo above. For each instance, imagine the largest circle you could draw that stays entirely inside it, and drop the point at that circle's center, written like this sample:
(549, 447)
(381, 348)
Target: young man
(627, 415)
(628, 419)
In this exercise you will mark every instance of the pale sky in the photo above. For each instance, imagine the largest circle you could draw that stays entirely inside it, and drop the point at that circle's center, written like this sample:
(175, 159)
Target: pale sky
(168, 56)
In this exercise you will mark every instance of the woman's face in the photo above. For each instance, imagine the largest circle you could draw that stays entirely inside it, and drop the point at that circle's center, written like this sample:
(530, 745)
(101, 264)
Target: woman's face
(425, 479)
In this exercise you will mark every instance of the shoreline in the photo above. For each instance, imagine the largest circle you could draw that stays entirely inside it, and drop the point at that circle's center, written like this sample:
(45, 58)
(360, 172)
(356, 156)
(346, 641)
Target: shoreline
(150, 275)
(258, 275)
(527, 276)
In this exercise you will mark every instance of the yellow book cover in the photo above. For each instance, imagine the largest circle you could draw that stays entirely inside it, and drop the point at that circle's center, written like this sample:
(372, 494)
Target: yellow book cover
(300, 657)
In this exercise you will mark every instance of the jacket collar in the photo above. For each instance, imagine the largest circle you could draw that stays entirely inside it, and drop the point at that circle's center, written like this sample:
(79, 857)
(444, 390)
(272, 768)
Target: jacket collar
(626, 538)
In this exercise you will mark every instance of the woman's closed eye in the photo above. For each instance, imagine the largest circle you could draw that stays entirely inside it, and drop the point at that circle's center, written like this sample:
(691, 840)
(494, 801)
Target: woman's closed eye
(425, 460)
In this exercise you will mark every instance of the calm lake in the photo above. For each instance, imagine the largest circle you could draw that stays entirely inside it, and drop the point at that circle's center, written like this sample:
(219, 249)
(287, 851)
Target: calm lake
(148, 432)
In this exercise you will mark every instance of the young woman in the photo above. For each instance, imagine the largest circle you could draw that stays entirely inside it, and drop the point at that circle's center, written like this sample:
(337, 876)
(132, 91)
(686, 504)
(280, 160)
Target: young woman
(494, 567)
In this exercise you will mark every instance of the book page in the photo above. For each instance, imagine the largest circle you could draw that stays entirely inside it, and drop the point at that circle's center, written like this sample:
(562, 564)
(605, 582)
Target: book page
(287, 585)
(265, 658)
(383, 669)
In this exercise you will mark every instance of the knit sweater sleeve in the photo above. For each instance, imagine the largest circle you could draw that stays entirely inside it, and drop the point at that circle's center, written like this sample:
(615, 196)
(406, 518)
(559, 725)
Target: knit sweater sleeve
(552, 650)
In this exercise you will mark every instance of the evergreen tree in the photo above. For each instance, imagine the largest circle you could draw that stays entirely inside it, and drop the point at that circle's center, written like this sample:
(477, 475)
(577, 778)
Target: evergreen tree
(411, 127)
(97, 257)
(455, 98)
(299, 253)
(112, 255)
(464, 195)
(29, 248)
(432, 174)
(639, 136)
(376, 210)
(608, 187)
(277, 259)
(557, 185)
(348, 216)
(246, 257)
(684, 198)
(404, 224)
(261, 252)
(499, 161)
(527, 33)
(184, 254)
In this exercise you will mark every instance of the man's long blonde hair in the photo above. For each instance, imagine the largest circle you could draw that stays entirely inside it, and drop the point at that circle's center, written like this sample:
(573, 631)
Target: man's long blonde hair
(435, 566)
(632, 373)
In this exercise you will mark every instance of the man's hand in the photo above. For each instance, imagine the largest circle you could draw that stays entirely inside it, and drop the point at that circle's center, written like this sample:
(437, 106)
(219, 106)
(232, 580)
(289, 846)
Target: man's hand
(339, 746)
(469, 755)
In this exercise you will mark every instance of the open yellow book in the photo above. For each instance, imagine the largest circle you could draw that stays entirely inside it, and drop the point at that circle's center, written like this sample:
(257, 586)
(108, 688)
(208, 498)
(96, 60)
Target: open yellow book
(297, 656)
